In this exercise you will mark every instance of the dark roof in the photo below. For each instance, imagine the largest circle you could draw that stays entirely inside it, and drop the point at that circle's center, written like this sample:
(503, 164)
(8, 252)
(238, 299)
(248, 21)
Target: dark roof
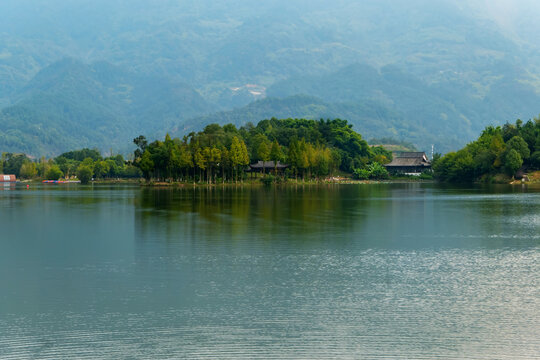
(268, 165)
(415, 154)
(410, 159)
(408, 162)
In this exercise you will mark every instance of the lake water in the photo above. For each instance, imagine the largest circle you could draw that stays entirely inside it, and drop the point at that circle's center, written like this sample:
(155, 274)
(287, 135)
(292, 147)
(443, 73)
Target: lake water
(352, 271)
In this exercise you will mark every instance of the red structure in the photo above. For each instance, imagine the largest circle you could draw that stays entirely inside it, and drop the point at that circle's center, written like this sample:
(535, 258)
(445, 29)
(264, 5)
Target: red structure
(7, 178)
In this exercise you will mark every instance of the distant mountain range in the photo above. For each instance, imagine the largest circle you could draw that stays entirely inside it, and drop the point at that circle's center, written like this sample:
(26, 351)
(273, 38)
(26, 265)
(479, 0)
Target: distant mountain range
(70, 105)
(100, 72)
(439, 113)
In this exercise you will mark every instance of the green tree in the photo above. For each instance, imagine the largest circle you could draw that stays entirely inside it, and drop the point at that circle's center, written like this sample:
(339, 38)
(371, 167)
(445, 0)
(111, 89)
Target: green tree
(293, 157)
(463, 169)
(88, 162)
(28, 170)
(323, 161)
(276, 154)
(535, 159)
(146, 164)
(455, 167)
(114, 170)
(200, 161)
(512, 162)
(42, 167)
(185, 159)
(80, 155)
(130, 172)
(12, 163)
(238, 155)
(67, 165)
(303, 157)
(215, 157)
(517, 143)
(263, 151)
(84, 173)
(54, 173)
(142, 144)
(101, 168)
(509, 131)
(496, 148)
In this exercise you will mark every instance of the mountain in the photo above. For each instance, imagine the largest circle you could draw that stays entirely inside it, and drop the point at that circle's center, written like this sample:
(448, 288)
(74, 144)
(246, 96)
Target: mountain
(447, 112)
(214, 45)
(70, 105)
(444, 67)
(371, 118)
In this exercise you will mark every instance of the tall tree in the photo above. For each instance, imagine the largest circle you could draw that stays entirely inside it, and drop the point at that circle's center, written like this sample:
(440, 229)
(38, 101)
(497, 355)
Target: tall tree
(276, 154)
(200, 161)
(146, 165)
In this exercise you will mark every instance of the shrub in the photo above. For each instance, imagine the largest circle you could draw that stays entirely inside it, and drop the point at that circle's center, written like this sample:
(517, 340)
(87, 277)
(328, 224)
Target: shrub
(268, 180)
(426, 176)
(361, 174)
(54, 173)
(84, 174)
(377, 171)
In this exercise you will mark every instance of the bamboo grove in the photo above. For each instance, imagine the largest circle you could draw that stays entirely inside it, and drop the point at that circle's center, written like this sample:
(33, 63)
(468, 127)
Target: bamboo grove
(312, 149)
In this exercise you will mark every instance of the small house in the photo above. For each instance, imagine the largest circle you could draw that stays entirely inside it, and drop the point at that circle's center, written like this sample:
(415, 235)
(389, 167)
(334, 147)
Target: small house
(267, 166)
(409, 163)
(8, 179)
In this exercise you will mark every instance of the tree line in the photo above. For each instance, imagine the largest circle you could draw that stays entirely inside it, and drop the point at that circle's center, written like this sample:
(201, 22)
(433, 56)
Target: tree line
(84, 164)
(498, 150)
(312, 149)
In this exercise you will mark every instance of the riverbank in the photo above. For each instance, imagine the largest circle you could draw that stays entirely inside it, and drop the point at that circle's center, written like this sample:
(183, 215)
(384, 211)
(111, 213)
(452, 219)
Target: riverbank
(246, 182)
(529, 179)
(289, 182)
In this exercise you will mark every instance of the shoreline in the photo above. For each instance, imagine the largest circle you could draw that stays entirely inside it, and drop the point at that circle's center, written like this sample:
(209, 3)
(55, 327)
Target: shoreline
(533, 179)
(258, 183)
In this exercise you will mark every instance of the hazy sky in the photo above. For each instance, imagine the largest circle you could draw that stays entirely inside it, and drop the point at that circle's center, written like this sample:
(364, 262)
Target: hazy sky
(520, 17)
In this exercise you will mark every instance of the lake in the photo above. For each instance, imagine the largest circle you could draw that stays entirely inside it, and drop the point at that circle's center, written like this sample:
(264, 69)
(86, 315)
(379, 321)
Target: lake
(373, 271)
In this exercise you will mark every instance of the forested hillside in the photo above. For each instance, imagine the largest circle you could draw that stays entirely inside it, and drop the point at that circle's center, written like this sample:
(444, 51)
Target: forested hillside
(428, 114)
(70, 104)
(375, 118)
(421, 70)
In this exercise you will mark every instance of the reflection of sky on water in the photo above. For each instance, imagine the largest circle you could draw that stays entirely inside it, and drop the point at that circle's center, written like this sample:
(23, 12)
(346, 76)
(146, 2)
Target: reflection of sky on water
(374, 271)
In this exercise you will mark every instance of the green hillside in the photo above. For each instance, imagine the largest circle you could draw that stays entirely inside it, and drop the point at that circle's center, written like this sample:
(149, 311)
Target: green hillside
(70, 105)
(373, 119)
(448, 114)
(422, 71)
(214, 46)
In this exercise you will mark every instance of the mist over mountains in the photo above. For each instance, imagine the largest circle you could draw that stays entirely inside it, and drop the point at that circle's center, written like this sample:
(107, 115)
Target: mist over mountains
(98, 73)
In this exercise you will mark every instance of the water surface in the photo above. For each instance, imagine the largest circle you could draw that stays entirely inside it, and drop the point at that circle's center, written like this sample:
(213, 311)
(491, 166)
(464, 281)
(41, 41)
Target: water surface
(351, 271)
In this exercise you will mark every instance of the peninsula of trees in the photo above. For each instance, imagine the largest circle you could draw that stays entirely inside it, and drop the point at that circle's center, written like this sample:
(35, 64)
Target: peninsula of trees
(219, 154)
(499, 152)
